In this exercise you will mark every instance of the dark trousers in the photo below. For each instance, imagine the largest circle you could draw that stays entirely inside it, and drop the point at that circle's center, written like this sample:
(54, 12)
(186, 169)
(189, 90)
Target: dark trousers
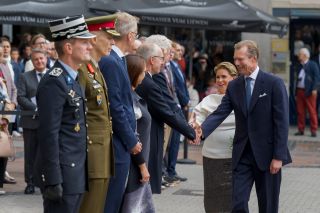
(30, 148)
(3, 163)
(117, 186)
(173, 151)
(267, 185)
(68, 204)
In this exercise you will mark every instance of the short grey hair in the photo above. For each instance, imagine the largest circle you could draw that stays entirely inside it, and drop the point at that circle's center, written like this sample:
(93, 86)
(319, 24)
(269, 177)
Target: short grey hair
(126, 23)
(305, 52)
(147, 50)
(38, 50)
(252, 47)
(162, 41)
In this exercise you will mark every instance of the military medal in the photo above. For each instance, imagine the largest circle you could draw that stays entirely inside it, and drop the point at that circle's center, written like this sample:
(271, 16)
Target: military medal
(99, 99)
(77, 127)
(90, 68)
(72, 93)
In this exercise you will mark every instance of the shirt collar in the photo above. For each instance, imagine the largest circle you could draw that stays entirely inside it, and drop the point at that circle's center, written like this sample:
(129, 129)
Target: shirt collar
(69, 70)
(254, 74)
(118, 51)
(44, 72)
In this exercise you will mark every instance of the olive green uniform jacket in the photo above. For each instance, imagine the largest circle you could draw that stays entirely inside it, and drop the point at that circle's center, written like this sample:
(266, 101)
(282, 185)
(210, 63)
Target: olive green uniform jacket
(99, 121)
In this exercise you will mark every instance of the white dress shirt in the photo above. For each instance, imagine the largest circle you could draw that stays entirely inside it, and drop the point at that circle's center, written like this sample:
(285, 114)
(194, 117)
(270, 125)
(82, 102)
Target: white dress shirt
(253, 77)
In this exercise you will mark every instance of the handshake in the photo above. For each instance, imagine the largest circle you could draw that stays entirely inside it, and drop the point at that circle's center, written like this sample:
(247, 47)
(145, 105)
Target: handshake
(197, 129)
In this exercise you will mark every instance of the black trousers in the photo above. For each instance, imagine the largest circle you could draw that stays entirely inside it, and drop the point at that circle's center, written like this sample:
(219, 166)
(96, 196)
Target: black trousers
(3, 163)
(267, 185)
(30, 148)
(68, 204)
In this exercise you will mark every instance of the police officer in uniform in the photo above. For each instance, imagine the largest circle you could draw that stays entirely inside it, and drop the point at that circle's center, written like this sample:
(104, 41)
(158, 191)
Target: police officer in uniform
(60, 166)
(100, 149)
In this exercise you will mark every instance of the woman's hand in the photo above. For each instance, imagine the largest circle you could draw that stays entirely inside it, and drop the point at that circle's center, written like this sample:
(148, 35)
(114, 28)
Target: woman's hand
(4, 125)
(144, 173)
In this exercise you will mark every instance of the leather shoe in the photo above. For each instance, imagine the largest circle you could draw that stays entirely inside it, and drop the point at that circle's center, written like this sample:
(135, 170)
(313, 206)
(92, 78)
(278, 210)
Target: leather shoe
(182, 179)
(9, 181)
(299, 133)
(29, 190)
(314, 134)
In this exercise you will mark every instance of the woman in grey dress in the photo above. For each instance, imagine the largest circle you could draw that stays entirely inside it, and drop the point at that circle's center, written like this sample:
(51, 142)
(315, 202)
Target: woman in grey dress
(138, 196)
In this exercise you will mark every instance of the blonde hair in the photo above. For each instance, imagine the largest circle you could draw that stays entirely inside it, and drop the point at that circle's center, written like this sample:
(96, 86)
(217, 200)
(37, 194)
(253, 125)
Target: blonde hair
(232, 70)
(252, 51)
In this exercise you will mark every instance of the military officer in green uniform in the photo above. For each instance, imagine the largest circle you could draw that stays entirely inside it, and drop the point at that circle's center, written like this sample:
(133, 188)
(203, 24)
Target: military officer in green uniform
(100, 149)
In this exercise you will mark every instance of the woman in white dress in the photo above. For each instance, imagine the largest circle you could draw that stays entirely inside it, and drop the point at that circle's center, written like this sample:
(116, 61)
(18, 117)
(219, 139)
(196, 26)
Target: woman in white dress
(217, 148)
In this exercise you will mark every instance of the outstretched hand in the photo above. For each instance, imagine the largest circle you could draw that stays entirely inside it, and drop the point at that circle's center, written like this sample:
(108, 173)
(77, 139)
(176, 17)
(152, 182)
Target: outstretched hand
(197, 129)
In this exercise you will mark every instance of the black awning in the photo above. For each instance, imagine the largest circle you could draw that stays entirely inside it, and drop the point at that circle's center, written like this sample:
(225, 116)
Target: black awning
(205, 14)
(39, 12)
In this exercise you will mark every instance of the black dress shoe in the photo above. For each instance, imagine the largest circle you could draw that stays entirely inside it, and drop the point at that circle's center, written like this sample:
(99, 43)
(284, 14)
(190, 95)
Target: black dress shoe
(29, 190)
(314, 134)
(298, 133)
(182, 179)
(8, 181)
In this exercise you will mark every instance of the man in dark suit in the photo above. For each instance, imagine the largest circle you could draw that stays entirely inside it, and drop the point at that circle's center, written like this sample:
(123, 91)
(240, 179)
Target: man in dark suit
(27, 88)
(306, 92)
(61, 170)
(260, 103)
(160, 110)
(183, 100)
(114, 70)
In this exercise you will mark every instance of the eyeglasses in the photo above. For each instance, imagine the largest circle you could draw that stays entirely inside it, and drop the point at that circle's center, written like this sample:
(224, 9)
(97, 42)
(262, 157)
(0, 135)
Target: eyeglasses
(136, 35)
(160, 57)
(40, 43)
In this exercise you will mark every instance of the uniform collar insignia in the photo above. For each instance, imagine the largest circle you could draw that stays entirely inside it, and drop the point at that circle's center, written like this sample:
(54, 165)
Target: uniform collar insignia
(56, 72)
(69, 80)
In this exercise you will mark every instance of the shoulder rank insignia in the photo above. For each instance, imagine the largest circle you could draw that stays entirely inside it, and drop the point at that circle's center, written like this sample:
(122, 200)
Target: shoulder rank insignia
(56, 72)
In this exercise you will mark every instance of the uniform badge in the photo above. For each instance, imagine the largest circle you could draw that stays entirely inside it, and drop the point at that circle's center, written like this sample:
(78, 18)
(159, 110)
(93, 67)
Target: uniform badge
(90, 75)
(56, 72)
(99, 99)
(77, 127)
(72, 93)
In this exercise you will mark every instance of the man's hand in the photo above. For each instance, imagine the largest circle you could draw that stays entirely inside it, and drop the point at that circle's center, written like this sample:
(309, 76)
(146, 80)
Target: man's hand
(53, 193)
(314, 92)
(136, 149)
(275, 166)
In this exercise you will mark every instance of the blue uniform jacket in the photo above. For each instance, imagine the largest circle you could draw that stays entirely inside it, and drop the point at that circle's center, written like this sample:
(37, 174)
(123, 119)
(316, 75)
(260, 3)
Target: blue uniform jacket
(62, 151)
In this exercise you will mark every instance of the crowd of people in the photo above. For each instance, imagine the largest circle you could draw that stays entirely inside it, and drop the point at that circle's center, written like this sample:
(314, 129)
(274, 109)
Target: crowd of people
(110, 109)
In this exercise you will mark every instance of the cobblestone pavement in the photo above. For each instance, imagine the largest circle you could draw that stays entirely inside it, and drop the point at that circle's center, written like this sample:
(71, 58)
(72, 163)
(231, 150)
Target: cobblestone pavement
(299, 193)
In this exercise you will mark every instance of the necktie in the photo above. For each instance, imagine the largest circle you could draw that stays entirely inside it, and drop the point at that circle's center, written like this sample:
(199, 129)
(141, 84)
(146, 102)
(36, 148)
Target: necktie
(248, 91)
(124, 62)
(40, 76)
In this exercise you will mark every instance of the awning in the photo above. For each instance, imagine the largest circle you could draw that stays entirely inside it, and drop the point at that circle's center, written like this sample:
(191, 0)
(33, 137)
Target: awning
(39, 12)
(205, 14)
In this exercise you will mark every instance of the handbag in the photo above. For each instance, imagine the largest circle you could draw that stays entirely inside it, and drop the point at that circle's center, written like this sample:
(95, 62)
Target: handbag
(6, 145)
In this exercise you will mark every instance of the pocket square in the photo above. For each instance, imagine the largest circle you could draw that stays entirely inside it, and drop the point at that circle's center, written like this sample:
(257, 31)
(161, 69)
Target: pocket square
(262, 95)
